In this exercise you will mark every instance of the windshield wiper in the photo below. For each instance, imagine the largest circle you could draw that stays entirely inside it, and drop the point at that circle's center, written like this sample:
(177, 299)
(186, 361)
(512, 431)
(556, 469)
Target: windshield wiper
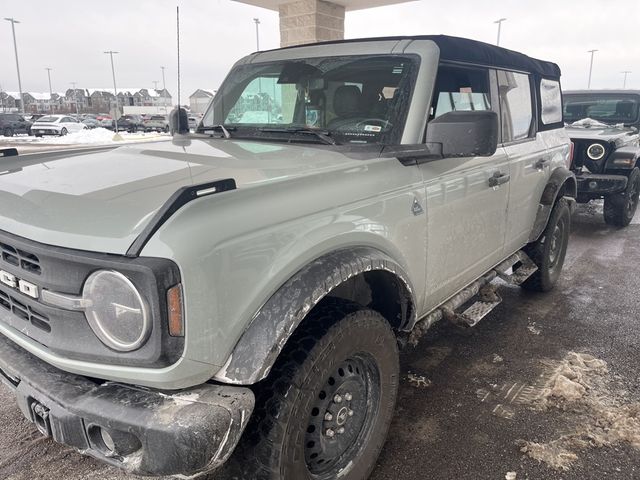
(321, 134)
(225, 130)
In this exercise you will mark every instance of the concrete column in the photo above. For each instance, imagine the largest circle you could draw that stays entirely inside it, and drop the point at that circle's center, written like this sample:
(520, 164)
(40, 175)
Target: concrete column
(309, 21)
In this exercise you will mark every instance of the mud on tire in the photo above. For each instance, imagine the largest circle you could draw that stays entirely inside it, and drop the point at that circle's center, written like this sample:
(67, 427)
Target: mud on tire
(327, 404)
(548, 252)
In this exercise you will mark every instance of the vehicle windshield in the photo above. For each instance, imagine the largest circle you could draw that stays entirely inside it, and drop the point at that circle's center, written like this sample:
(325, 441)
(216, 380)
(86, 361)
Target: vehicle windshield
(49, 119)
(606, 108)
(355, 99)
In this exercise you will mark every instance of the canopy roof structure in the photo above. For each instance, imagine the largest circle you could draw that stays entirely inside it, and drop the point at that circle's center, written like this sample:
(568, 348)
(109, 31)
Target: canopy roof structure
(348, 5)
(309, 21)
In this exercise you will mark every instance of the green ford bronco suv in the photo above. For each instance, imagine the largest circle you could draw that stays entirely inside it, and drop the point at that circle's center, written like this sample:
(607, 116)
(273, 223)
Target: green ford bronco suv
(245, 288)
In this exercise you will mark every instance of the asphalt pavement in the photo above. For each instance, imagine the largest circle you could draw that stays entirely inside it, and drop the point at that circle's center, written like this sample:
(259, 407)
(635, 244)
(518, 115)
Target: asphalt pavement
(471, 404)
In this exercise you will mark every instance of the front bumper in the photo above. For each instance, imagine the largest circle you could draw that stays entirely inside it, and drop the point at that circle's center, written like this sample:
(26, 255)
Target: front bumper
(149, 432)
(600, 184)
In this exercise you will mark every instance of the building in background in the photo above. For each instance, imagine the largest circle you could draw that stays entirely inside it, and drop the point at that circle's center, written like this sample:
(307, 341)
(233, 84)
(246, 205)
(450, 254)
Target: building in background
(199, 100)
(9, 101)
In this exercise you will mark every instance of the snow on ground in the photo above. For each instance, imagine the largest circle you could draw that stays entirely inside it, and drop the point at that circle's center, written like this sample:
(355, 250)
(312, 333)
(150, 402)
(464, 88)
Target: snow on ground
(96, 136)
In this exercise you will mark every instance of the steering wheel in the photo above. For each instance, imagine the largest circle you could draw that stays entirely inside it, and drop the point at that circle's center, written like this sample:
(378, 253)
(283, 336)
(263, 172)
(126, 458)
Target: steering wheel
(381, 121)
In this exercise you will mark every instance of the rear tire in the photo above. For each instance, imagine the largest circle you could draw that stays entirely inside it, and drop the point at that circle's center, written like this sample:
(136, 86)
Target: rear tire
(327, 404)
(8, 132)
(548, 252)
(620, 208)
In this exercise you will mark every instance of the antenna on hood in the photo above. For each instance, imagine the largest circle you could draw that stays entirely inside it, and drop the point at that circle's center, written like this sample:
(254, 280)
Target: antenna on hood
(178, 118)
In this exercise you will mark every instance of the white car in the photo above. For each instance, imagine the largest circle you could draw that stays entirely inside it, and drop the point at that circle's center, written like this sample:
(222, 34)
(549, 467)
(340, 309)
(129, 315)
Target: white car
(56, 125)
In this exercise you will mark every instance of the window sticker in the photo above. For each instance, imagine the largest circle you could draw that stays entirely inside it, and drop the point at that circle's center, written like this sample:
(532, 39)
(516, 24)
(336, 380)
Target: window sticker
(372, 128)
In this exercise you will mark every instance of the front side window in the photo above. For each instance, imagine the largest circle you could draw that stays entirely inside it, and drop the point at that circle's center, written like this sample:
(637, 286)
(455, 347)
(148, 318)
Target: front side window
(604, 107)
(460, 89)
(516, 107)
(355, 99)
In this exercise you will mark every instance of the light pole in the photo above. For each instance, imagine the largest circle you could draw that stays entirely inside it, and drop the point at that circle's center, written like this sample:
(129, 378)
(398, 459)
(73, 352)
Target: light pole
(164, 90)
(48, 69)
(155, 84)
(15, 49)
(625, 73)
(75, 96)
(257, 22)
(115, 89)
(590, 67)
(499, 22)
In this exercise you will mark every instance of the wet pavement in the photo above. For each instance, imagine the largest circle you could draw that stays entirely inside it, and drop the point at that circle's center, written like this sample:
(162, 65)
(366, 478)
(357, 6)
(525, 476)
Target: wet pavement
(467, 402)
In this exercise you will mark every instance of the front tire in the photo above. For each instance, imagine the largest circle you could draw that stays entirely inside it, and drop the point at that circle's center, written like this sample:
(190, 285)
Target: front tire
(620, 208)
(327, 405)
(8, 132)
(63, 132)
(548, 252)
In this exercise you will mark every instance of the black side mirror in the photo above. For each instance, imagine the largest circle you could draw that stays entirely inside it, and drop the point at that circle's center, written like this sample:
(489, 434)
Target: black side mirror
(465, 133)
(179, 121)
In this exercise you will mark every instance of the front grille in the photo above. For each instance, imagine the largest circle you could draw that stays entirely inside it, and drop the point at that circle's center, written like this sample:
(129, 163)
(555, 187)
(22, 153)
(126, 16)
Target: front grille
(19, 258)
(25, 312)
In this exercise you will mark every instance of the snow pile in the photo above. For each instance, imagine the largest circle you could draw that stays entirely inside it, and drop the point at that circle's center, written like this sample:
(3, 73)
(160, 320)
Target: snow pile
(99, 136)
(579, 383)
(96, 135)
(591, 123)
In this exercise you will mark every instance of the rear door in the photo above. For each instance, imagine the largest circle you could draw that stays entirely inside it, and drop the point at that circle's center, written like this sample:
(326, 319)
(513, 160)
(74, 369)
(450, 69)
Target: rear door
(529, 159)
(466, 216)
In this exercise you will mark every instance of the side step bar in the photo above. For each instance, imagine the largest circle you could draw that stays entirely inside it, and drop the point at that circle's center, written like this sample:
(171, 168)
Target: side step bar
(514, 270)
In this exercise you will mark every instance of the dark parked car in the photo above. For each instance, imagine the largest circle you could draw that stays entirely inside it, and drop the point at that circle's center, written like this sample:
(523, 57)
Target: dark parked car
(603, 125)
(12, 123)
(130, 123)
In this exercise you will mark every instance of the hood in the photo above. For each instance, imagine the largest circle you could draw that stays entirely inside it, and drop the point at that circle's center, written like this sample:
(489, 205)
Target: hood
(101, 201)
(600, 132)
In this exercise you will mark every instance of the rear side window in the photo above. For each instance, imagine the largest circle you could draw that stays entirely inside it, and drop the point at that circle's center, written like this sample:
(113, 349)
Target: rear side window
(551, 101)
(461, 89)
(516, 107)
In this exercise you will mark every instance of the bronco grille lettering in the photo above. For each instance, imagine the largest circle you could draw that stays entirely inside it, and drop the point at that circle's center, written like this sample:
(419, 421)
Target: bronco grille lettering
(16, 283)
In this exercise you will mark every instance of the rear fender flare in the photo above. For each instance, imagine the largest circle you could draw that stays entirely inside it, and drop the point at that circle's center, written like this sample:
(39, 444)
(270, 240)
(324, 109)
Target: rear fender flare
(562, 181)
(272, 325)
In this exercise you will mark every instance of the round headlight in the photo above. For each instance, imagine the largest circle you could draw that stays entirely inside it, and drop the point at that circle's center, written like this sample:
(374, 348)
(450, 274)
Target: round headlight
(595, 151)
(116, 311)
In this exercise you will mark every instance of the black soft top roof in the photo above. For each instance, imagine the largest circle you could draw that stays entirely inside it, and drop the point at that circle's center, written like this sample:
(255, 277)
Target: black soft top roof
(472, 51)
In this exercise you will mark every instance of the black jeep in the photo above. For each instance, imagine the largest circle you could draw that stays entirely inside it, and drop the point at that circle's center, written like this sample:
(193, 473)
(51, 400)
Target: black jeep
(603, 126)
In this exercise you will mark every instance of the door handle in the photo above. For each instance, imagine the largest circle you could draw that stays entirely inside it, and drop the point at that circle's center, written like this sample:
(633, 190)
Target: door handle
(543, 162)
(499, 178)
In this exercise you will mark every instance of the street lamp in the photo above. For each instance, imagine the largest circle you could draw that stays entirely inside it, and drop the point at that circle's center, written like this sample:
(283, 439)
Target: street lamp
(48, 69)
(15, 49)
(590, 67)
(115, 89)
(257, 22)
(499, 22)
(164, 90)
(625, 73)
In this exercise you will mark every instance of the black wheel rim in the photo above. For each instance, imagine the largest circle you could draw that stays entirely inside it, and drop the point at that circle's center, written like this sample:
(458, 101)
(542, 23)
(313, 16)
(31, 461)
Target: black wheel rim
(342, 417)
(632, 198)
(557, 243)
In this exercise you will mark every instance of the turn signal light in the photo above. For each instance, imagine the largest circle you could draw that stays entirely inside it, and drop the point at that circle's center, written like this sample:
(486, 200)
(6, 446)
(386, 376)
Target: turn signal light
(174, 306)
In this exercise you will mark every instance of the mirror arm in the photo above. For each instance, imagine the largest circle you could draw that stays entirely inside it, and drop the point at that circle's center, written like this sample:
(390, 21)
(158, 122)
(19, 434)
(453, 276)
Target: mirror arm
(413, 154)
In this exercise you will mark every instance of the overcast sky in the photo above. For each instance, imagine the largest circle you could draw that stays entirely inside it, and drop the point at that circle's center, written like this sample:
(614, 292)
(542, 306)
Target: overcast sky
(70, 36)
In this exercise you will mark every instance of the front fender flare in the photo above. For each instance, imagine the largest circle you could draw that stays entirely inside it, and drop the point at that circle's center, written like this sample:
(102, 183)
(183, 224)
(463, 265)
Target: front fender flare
(560, 178)
(261, 343)
(625, 158)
